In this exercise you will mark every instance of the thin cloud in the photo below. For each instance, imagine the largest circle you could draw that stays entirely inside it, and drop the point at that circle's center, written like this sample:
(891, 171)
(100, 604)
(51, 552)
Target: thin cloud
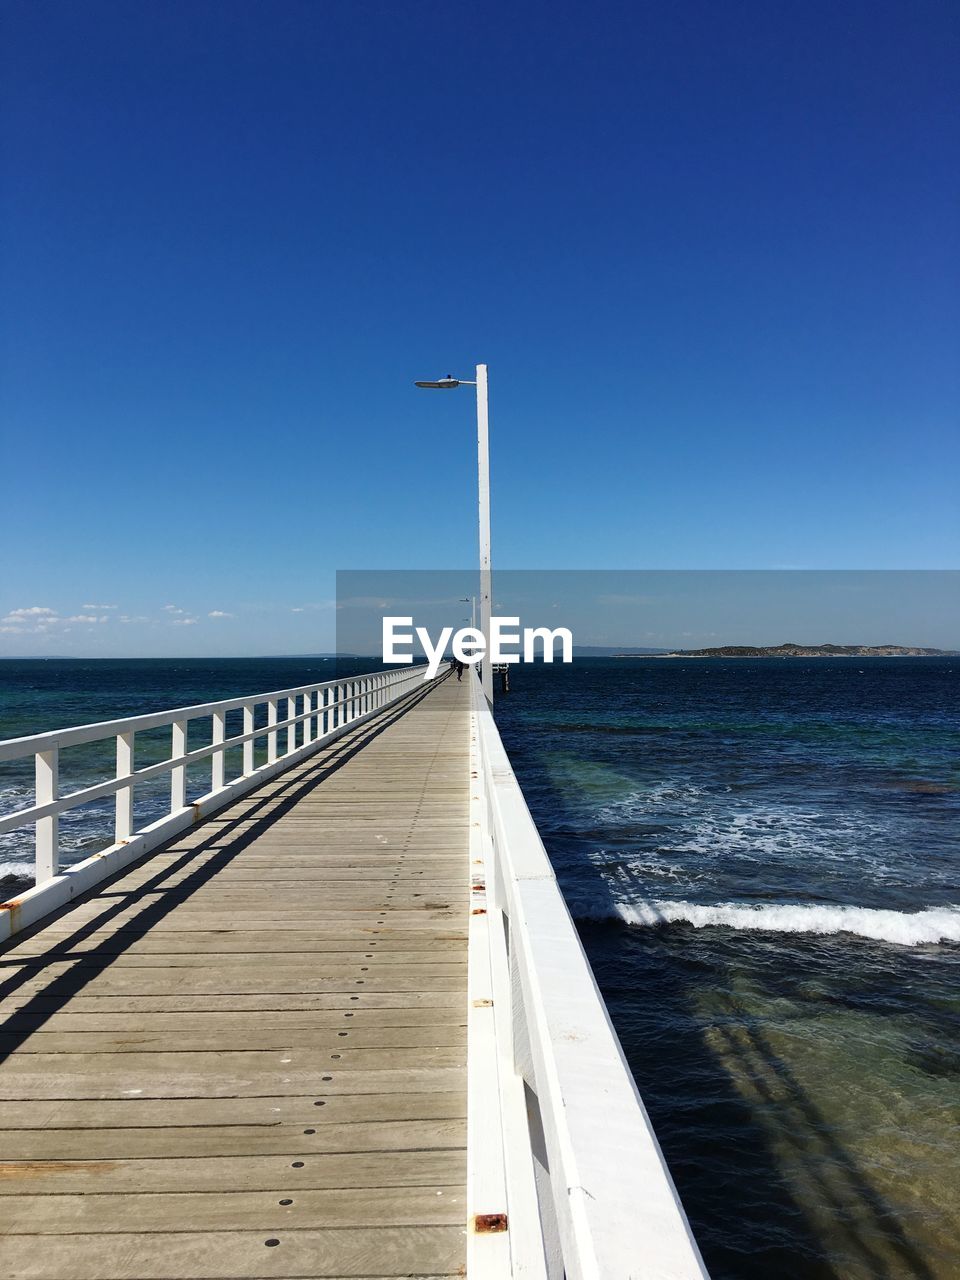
(33, 619)
(32, 613)
(172, 608)
(219, 613)
(184, 622)
(96, 608)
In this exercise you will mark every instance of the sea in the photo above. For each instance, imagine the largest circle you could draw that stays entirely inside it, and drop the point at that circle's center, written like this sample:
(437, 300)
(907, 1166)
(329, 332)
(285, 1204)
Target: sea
(762, 859)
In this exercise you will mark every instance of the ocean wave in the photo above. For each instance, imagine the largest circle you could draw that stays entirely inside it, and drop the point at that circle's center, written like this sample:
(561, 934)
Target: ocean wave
(905, 928)
(22, 870)
(730, 837)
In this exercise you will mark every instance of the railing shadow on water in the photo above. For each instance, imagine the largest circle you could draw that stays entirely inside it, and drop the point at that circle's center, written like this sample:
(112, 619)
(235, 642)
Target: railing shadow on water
(862, 1223)
(277, 797)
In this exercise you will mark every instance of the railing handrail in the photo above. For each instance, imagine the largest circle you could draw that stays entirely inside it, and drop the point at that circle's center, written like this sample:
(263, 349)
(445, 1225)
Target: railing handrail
(608, 1206)
(86, 795)
(329, 708)
(76, 735)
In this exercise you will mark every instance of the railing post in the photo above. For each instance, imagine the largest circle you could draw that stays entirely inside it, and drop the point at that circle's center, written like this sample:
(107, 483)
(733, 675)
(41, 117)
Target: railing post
(47, 774)
(291, 728)
(123, 828)
(248, 747)
(272, 737)
(178, 774)
(218, 759)
(308, 722)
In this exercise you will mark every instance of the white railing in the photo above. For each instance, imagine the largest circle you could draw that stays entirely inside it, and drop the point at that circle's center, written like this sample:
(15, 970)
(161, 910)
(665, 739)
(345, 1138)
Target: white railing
(571, 1182)
(316, 714)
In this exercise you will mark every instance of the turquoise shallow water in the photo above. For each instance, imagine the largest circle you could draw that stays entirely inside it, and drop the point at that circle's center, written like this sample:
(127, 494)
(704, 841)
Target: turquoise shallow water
(762, 858)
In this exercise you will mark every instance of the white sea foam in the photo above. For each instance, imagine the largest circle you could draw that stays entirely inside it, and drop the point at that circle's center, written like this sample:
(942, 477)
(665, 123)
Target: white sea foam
(718, 825)
(23, 870)
(906, 928)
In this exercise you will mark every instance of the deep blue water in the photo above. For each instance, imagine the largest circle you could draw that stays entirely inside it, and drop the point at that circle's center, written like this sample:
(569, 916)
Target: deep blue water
(762, 858)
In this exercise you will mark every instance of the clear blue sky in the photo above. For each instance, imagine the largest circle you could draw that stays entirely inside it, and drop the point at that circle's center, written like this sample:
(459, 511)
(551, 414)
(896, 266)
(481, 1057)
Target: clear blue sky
(709, 252)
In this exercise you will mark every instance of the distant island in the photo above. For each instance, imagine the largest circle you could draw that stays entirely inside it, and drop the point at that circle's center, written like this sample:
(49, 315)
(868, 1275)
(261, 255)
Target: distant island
(809, 651)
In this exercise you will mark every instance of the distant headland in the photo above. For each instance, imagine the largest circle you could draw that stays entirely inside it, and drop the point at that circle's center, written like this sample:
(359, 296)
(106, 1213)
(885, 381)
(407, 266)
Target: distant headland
(809, 651)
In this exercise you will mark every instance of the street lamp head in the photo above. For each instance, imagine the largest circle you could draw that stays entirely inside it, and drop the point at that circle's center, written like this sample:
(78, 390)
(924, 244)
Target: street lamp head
(442, 384)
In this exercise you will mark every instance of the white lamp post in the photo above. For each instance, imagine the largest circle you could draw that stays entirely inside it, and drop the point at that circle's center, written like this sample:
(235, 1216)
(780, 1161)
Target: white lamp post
(483, 502)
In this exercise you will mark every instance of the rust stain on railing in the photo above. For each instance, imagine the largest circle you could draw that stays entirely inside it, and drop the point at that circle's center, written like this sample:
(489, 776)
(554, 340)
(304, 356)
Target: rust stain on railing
(13, 906)
(488, 1222)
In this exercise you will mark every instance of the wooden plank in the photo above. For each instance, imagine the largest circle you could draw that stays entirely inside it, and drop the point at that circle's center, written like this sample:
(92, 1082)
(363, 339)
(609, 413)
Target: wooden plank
(225, 1255)
(68, 1021)
(231, 963)
(241, 1210)
(232, 1173)
(246, 1064)
(245, 941)
(302, 1000)
(434, 1095)
(32, 1078)
(441, 922)
(279, 1041)
(295, 1140)
(250, 897)
(236, 981)
(227, 962)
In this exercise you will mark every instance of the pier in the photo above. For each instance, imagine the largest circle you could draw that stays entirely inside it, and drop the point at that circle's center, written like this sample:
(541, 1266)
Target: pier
(330, 1018)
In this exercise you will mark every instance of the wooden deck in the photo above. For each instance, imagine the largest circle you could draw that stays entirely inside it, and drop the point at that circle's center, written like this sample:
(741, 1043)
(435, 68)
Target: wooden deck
(246, 1056)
